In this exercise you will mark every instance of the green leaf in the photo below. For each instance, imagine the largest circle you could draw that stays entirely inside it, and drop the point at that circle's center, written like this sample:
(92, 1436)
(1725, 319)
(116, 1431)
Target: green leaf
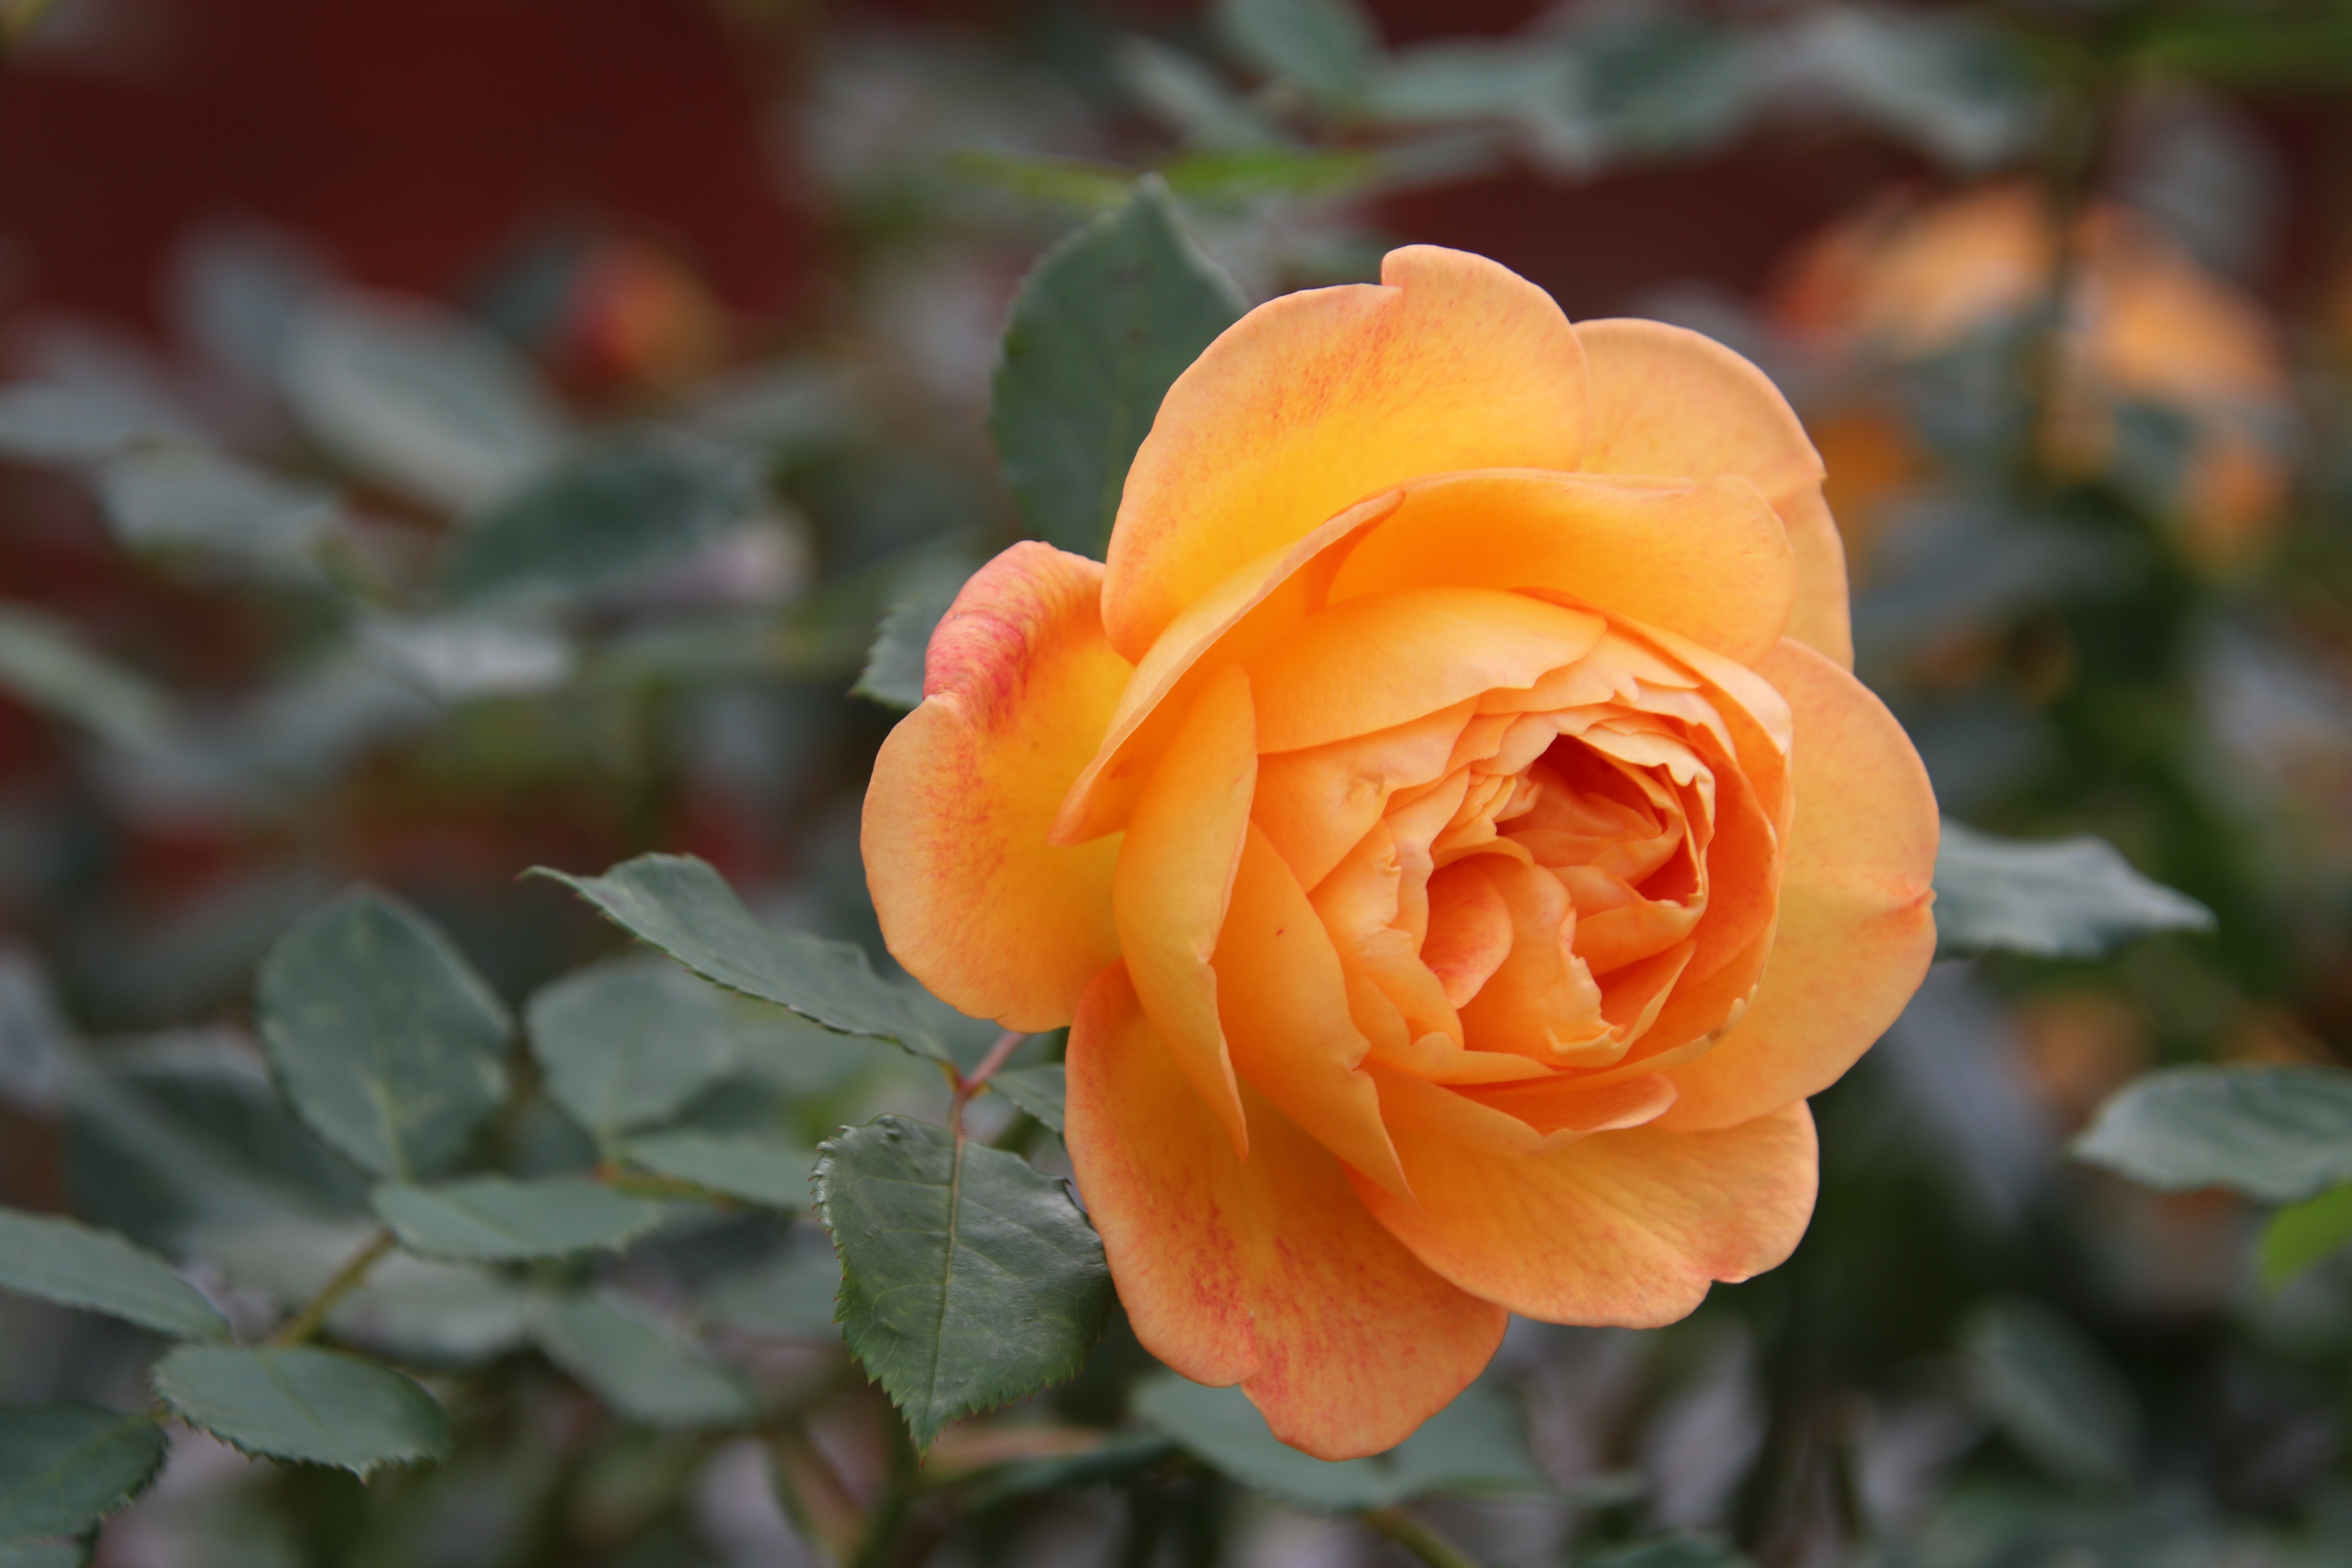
(42, 422)
(381, 1036)
(485, 1218)
(1039, 1090)
(627, 1042)
(2069, 898)
(58, 1260)
(297, 1403)
(678, 904)
(1327, 47)
(893, 675)
(791, 1297)
(1671, 1551)
(1102, 326)
(423, 400)
(2302, 1233)
(45, 1553)
(63, 1467)
(188, 496)
(967, 1277)
(600, 518)
(2054, 1392)
(2280, 1134)
(638, 1367)
(1477, 1444)
(1120, 1457)
(42, 663)
(739, 1166)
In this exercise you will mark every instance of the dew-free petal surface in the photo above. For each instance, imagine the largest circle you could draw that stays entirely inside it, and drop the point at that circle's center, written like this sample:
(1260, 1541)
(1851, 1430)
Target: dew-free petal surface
(1267, 1272)
(1623, 1229)
(1707, 558)
(1018, 686)
(1671, 403)
(1316, 400)
(1856, 931)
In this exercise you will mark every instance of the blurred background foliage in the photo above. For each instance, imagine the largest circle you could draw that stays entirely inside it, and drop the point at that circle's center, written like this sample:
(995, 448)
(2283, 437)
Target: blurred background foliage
(443, 438)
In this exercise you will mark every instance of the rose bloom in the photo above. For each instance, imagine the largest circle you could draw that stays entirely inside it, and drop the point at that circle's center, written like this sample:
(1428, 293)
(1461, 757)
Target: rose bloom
(1447, 823)
(2148, 324)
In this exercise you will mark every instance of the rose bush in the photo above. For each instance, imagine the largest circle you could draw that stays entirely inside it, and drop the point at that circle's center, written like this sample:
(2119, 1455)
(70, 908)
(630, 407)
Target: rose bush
(1449, 825)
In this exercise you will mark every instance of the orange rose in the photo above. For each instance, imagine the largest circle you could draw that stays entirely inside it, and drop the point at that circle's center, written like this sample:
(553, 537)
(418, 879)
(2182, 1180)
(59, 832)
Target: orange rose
(1451, 825)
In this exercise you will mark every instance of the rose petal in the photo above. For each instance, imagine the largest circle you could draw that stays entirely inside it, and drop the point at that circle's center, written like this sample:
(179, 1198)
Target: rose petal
(1316, 400)
(1671, 403)
(1175, 878)
(1855, 932)
(1624, 1229)
(1269, 1272)
(1706, 558)
(1018, 685)
(1375, 663)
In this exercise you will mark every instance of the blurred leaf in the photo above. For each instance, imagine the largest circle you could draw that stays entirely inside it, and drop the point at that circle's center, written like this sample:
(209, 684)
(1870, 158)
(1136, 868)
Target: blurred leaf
(2302, 1233)
(1476, 1445)
(755, 1169)
(64, 1466)
(2280, 1134)
(637, 1368)
(969, 1278)
(381, 1036)
(1102, 325)
(187, 497)
(1121, 1456)
(1327, 47)
(458, 657)
(599, 517)
(678, 904)
(1470, 79)
(2257, 47)
(1246, 173)
(494, 1217)
(423, 400)
(627, 1042)
(1660, 82)
(42, 422)
(295, 1402)
(2068, 897)
(2054, 1392)
(1942, 81)
(1039, 1090)
(1187, 95)
(42, 663)
(45, 1553)
(793, 1296)
(1081, 183)
(1673, 1552)
(58, 1260)
(893, 675)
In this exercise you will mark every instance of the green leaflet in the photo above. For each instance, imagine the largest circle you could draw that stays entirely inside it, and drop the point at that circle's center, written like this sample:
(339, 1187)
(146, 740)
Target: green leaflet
(967, 1277)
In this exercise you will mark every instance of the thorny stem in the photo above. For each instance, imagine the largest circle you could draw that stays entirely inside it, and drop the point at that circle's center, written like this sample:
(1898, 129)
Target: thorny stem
(305, 1323)
(1418, 1539)
(966, 1086)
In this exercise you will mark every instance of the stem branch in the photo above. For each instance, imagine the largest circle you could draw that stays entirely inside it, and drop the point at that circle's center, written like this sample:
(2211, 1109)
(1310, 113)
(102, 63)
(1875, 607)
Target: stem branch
(1418, 1539)
(966, 1086)
(305, 1323)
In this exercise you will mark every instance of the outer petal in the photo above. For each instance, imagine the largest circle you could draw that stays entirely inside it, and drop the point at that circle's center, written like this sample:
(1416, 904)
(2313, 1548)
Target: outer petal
(1855, 934)
(1268, 1273)
(1017, 687)
(1175, 878)
(1316, 400)
(1706, 558)
(1671, 403)
(1624, 1229)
